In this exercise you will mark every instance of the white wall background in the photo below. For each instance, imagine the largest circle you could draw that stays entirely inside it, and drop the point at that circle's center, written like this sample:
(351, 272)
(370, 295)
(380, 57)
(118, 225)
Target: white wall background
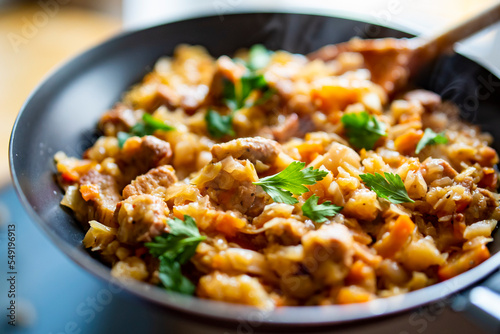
(421, 16)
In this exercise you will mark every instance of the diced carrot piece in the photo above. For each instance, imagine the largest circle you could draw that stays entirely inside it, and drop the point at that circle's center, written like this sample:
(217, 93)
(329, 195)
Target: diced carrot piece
(72, 170)
(70, 176)
(353, 294)
(335, 117)
(406, 143)
(334, 97)
(89, 191)
(395, 237)
(310, 147)
(229, 224)
(310, 150)
(359, 274)
(463, 261)
(461, 205)
(488, 156)
(177, 214)
(490, 178)
(356, 271)
(83, 166)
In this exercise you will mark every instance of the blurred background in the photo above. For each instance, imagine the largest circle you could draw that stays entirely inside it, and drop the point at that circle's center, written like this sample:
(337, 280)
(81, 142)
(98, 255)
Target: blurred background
(37, 35)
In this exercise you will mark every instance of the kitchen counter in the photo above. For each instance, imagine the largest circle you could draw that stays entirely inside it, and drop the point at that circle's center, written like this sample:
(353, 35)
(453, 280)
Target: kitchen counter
(33, 41)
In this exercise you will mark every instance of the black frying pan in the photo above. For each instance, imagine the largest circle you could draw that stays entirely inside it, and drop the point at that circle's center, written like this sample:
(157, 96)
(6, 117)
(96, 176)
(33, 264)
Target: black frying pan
(61, 114)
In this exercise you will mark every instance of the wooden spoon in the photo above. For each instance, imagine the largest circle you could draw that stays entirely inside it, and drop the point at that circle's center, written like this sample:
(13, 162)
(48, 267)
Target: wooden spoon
(392, 62)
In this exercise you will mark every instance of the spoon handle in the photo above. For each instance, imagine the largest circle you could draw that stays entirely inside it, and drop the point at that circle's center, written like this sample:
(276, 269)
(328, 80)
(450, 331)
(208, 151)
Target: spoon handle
(444, 39)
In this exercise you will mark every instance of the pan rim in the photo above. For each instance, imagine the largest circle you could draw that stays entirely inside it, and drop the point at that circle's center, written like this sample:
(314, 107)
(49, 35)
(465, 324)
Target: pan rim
(307, 316)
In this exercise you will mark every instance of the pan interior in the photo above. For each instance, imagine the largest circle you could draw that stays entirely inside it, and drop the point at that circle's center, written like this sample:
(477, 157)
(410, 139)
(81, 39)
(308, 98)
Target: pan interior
(62, 115)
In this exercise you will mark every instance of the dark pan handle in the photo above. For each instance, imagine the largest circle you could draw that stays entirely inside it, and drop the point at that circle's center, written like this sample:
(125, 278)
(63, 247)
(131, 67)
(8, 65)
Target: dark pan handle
(481, 303)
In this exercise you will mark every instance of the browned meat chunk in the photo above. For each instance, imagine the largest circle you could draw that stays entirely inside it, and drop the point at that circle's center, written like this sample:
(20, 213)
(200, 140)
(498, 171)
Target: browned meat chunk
(228, 183)
(248, 199)
(285, 231)
(428, 100)
(287, 129)
(253, 149)
(433, 169)
(156, 180)
(191, 98)
(335, 244)
(141, 218)
(140, 155)
(225, 69)
(292, 126)
(387, 59)
(119, 118)
(102, 198)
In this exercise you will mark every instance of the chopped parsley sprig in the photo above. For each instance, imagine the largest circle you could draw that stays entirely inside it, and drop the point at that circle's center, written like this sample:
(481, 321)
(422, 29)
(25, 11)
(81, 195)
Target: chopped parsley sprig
(363, 129)
(431, 138)
(219, 125)
(391, 187)
(147, 127)
(319, 212)
(258, 57)
(290, 181)
(174, 249)
(236, 96)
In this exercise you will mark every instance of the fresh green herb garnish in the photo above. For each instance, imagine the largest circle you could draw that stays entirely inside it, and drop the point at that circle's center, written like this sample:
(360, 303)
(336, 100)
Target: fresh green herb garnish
(430, 138)
(122, 138)
(391, 187)
(236, 98)
(147, 127)
(363, 129)
(171, 277)
(251, 82)
(266, 95)
(290, 181)
(175, 249)
(236, 95)
(152, 124)
(258, 57)
(219, 125)
(318, 212)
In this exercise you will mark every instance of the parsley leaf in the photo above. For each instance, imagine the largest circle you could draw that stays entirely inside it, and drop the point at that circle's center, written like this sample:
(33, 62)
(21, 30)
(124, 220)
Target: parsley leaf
(229, 94)
(122, 138)
(318, 213)
(251, 82)
(290, 181)
(430, 138)
(363, 129)
(219, 125)
(235, 95)
(171, 277)
(258, 57)
(147, 127)
(391, 187)
(174, 249)
(266, 95)
(152, 124)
